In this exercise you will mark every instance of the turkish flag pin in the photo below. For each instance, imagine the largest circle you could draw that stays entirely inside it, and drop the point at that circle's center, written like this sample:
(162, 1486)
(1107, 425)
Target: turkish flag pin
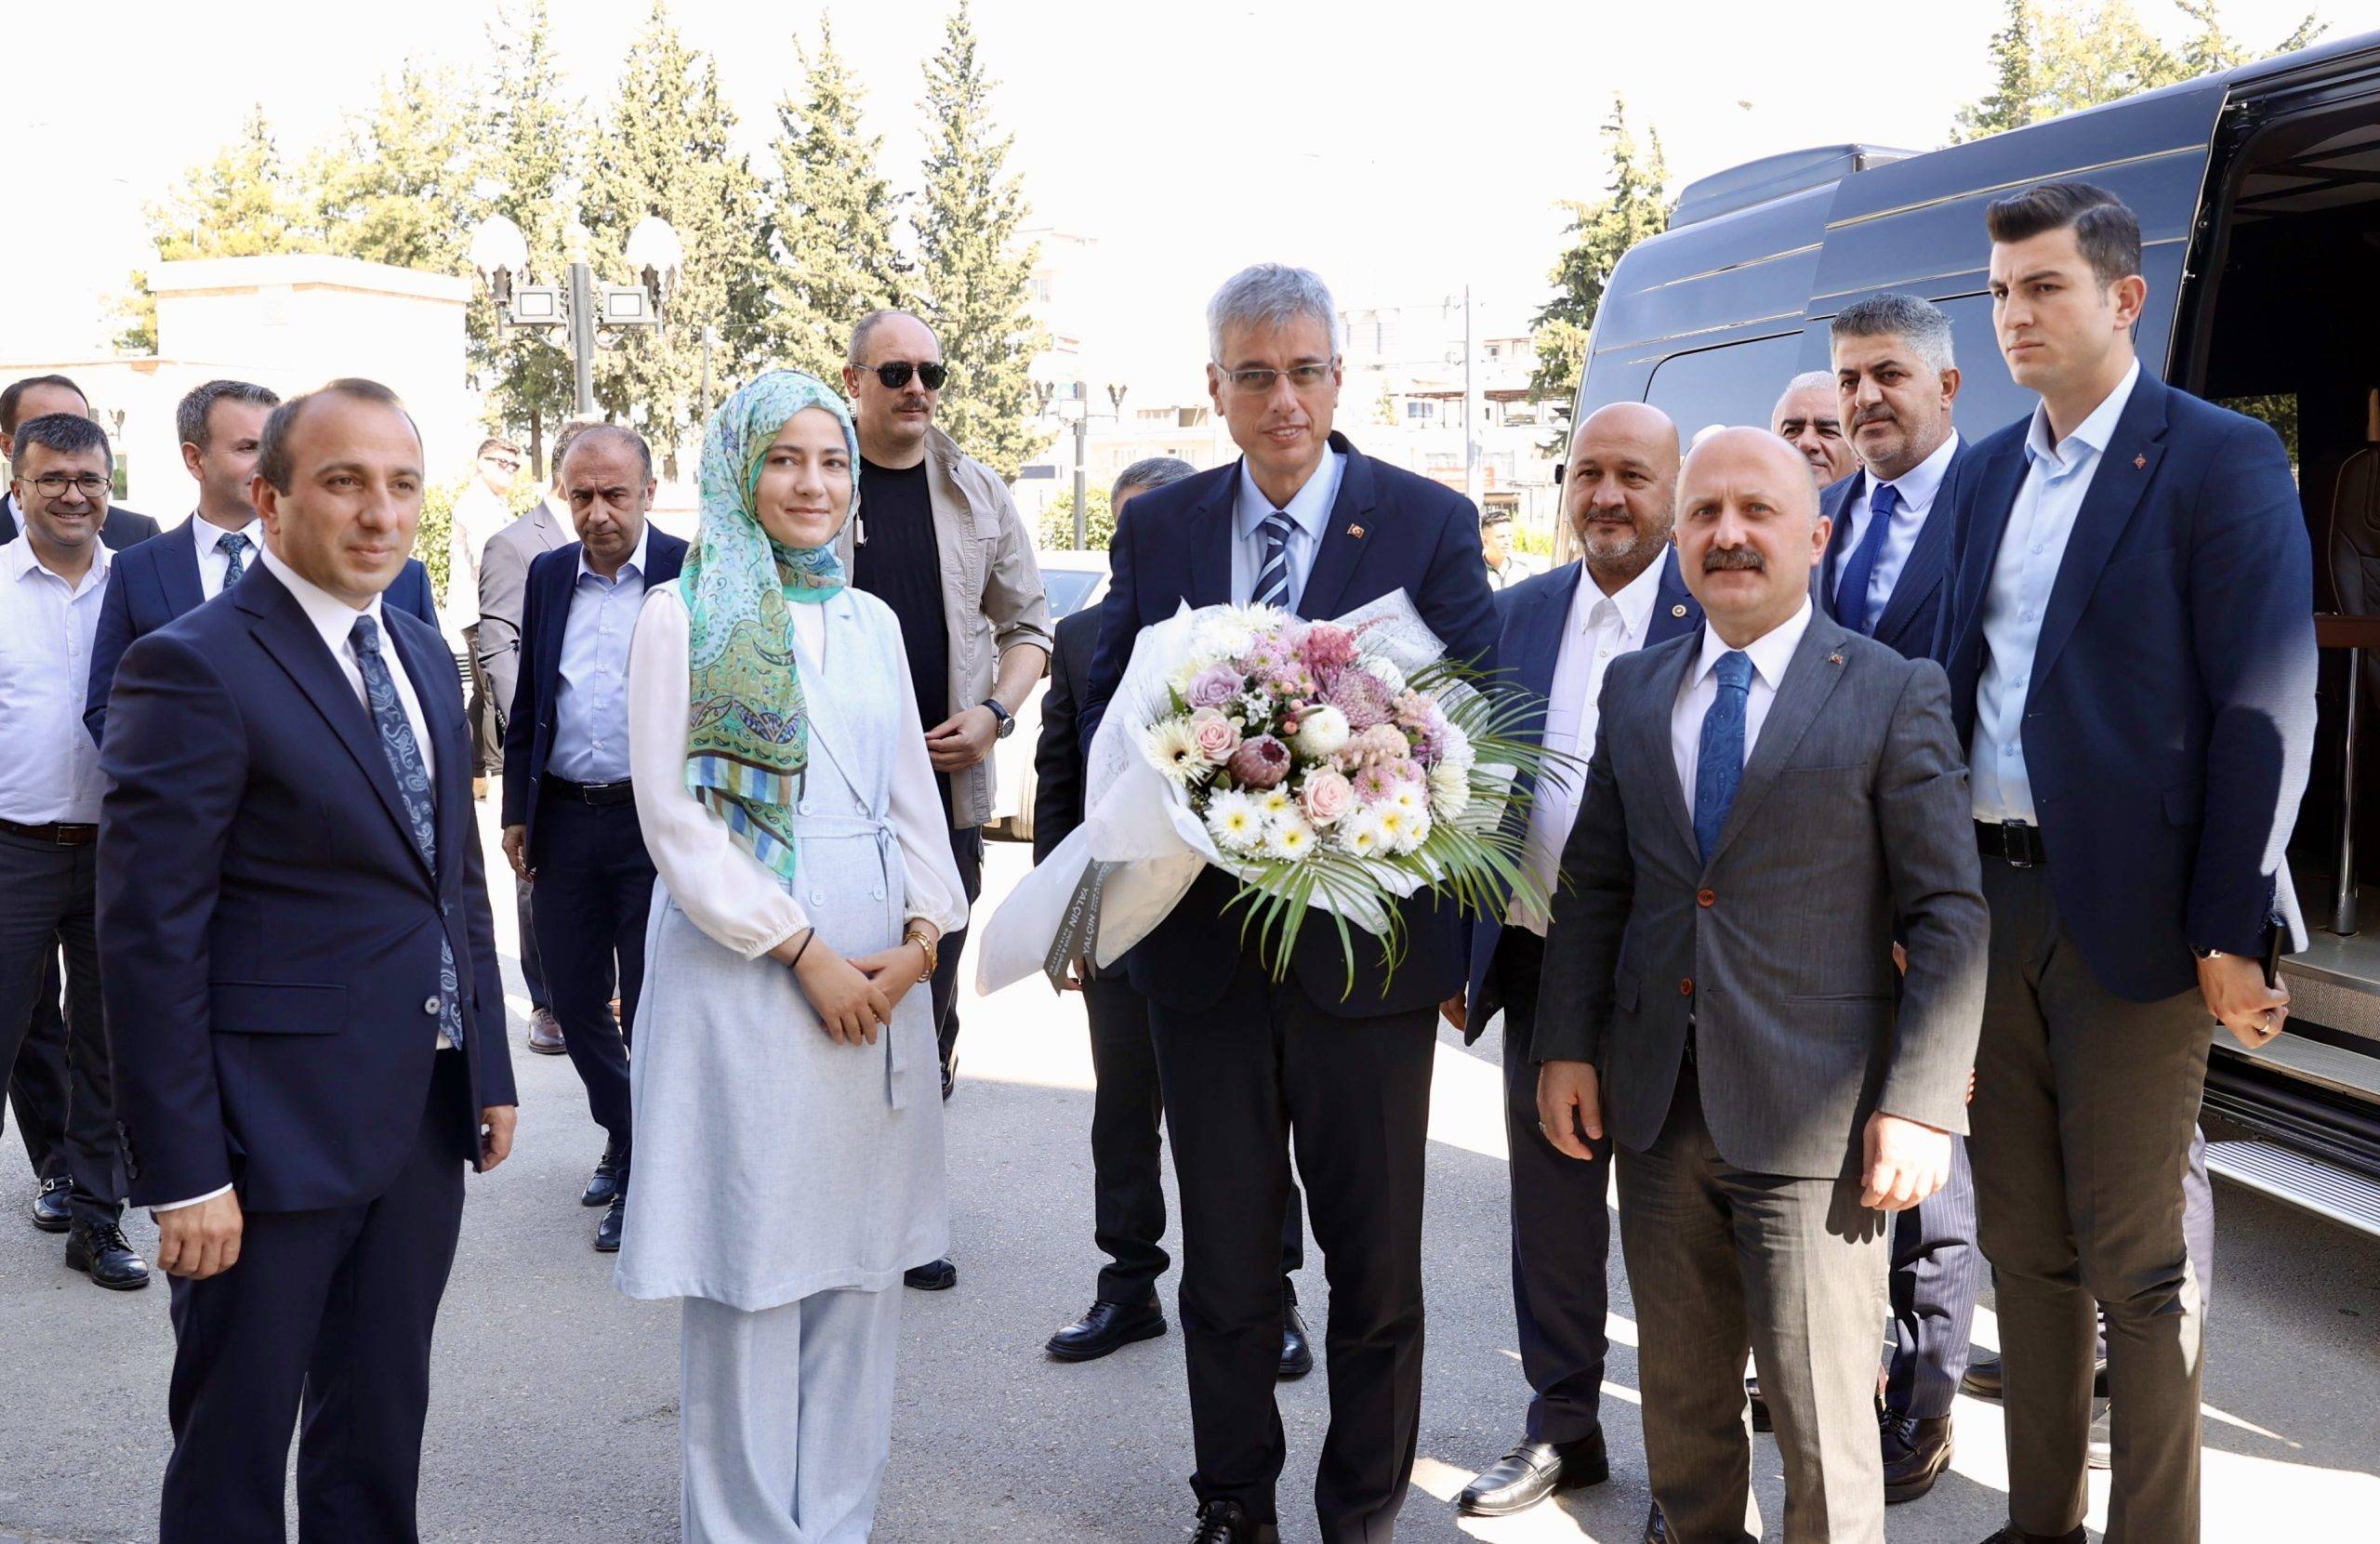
(1356, 532)
(1834, 659)
(2138, 462)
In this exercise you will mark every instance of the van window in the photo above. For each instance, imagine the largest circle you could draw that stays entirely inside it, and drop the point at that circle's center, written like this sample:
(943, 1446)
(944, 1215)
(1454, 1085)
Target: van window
(1734, 384)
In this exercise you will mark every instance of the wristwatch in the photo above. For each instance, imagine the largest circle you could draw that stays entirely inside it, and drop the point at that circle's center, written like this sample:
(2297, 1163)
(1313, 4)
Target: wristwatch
(1008, 720)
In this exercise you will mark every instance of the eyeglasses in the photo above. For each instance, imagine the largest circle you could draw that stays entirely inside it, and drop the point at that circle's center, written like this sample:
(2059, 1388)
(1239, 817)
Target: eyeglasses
(54, 484)
(501, 462)
(1256, 383)
(896, 374)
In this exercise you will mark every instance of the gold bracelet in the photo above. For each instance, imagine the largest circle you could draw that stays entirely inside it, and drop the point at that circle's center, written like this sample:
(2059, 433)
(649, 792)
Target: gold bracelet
(926, 941)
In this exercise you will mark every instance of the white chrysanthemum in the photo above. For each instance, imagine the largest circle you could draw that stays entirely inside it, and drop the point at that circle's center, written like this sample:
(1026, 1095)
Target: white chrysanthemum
(1383, 669)
(1221, 635)
(1413, 832)
(1449, 790)
(1456, 751)
(1411, 797)
(1234, 822)
(1174, 745)
(1276, 805)
(1290, 839)
(1359, 832)
(1392, 822)
(1322, 730)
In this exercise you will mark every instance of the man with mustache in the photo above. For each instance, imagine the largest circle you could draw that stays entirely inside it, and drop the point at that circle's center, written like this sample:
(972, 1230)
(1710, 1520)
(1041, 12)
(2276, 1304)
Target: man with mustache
(1805, 416)
(1770, 1092)
(1561, 633)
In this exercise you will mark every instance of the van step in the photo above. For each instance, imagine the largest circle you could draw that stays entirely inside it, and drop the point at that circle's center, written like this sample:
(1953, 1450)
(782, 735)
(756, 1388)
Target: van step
(2324, 1189)
(2350, 1071)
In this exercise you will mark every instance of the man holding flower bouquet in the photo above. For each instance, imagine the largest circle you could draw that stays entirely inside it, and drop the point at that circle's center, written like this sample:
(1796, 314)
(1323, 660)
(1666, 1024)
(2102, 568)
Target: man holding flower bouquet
(1335, 1049)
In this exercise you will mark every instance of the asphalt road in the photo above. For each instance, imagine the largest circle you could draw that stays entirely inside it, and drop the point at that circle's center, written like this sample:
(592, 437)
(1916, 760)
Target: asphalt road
(554, 1413)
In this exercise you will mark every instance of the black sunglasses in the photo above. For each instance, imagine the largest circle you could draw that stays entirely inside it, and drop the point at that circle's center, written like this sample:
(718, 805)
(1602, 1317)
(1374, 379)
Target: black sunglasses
(896, 374)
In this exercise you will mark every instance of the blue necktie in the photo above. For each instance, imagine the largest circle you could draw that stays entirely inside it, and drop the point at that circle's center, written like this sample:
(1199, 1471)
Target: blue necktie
(1719, 765)
(413, 785)
(1273, 579)
(234, 548)
(1851, 596)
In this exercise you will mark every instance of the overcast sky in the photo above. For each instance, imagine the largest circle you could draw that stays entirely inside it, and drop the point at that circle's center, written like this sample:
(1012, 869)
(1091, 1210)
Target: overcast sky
(1402, 149)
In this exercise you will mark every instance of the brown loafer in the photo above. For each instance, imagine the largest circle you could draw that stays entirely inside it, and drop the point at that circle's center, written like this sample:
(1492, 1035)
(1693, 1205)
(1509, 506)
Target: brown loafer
(544, 1033)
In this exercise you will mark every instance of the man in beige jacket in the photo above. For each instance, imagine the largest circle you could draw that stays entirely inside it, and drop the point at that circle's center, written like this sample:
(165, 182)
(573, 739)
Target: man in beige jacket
(939, 540)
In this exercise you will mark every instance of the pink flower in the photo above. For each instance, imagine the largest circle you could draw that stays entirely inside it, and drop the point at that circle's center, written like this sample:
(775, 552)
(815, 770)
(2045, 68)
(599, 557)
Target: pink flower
(1215, 735)
(1376, 783)
(1324, 796)
(1260, 764)
(1214, 686)
(1326, 648)
(1360, 696)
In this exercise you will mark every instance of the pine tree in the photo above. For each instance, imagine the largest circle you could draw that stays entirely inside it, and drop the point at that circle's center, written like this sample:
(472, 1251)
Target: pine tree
(396, 186)
(2010, 105)
(1636, 205)
(243, 202)
(527, 149)
(974, 278)
(831, 219)
(664, 151)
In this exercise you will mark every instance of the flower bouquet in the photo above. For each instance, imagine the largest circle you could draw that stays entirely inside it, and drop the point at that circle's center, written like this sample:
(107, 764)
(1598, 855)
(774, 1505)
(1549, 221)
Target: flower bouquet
(1335, 766)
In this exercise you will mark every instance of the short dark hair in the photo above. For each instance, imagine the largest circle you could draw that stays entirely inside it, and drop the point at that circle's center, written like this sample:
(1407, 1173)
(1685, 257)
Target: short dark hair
(190, 414)
(1497, 517)
(67, 433)
(16, 392)
(272, 452)
(588, 433)
(492, 443)
(1150, 471)
(2103, 227)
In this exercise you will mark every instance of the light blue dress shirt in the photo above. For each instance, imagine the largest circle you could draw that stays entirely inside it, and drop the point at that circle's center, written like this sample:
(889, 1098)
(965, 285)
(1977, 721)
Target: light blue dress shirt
(2058, 477)
(1309, 513)
(1917, 487)
(592, 704)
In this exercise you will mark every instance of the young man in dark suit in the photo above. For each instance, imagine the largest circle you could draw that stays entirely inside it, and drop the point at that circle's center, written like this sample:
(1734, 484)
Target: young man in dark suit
(301, 979)
(1305, 522)
(2129, 643)
(1561, 632)
(23, 400)
(570, 822)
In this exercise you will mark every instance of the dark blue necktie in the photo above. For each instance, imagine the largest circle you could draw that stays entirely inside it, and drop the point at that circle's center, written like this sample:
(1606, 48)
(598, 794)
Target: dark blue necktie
(1851, 596)
(234, 548)
(412, 786)
(1273, 579)
(1719, 765)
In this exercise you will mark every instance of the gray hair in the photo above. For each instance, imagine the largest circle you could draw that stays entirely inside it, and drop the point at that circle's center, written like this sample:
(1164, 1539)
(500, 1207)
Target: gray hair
(190, 414)
(1272, 294)
(876, 319)
(1150, 471)
(1921, 324)
(1822, 379)
(67, 433)
(603, 433)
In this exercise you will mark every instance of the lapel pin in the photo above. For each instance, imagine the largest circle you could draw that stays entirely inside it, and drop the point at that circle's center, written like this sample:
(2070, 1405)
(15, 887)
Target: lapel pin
(2139, 462)
(1356, 532)
(1836, 658)
(1678, 610)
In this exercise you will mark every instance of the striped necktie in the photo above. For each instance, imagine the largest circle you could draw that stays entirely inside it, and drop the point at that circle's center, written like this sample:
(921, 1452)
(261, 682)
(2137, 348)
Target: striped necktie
(1273, 579)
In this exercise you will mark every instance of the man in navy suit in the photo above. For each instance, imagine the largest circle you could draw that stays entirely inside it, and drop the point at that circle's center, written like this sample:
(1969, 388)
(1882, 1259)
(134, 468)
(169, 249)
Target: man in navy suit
(570, 824)
(221, 424)
(300, 976)
(1561, 632)
(1305, 522)
(2129, 638)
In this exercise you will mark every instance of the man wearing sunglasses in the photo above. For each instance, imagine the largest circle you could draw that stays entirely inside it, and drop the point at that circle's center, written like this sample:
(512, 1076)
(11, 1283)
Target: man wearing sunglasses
(938, 539)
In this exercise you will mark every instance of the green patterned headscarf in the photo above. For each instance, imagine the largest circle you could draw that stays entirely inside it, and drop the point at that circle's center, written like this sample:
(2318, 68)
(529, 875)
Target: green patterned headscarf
(747, 731)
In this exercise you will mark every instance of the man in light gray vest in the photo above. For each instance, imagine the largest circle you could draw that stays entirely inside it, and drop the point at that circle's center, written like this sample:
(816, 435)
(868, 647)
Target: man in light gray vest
(1772, 1099)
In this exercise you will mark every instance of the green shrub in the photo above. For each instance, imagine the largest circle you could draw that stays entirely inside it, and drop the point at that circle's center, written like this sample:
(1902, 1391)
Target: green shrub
(1058, 522)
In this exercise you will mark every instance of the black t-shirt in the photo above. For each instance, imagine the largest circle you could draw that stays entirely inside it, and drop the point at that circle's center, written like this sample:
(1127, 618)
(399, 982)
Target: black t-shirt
(900, 563)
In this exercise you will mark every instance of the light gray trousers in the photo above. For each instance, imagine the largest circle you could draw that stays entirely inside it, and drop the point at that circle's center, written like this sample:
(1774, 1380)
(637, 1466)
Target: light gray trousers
(786, 1418)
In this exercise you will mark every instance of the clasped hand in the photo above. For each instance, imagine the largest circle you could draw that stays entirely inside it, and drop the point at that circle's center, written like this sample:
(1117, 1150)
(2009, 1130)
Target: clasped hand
(855, 997)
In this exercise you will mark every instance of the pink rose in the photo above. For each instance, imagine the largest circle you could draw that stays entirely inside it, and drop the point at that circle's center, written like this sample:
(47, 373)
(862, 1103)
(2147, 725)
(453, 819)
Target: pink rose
(1216, 736)
(1260, 764)
(1324, 796)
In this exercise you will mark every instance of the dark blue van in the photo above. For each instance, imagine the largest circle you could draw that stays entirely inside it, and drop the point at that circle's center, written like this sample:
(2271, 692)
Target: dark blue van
(2258, 193)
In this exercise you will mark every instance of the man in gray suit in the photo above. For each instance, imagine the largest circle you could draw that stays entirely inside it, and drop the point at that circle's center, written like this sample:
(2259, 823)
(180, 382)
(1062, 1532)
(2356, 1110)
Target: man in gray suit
(1771, 1098)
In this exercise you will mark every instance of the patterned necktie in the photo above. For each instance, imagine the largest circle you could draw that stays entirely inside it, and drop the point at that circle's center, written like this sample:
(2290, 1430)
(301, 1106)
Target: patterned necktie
(234, 548)
(1851, 596)
(1273, 579)
(1720, 764)
(413, 785)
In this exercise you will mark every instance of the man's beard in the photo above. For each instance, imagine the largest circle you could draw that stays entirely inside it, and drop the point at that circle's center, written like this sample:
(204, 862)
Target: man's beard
(1608, 552)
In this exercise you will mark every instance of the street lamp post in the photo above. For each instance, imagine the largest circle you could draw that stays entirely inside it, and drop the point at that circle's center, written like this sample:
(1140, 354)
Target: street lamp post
(1082, 468)
(500, 255)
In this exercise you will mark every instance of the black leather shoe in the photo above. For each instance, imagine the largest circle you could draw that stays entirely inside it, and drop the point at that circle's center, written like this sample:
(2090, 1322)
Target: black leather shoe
(1916, 1451)
(937, 1276)
(98, 1250)
(1983, 1379)
(2014, 1534)
(1226, 1522)
(1760, 1418)
(1297, 1356)
(1657, 1528)
(607, 1231)
(50, 1213)
(1108, 1326)
(1532, 1471)
(603, 1185)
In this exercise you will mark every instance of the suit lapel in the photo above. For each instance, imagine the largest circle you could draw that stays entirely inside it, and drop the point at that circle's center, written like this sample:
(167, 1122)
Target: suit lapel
(1810, 680)
(1342, 538)
(1212, 536)
(1997, 481)
(1833, 505)
(1536, 632)
(282, 628)
(553, 616)
(1927, 559)
(667, 556)
(1675, 611)
(177, 573)
(1653, 734)
(2125, 469)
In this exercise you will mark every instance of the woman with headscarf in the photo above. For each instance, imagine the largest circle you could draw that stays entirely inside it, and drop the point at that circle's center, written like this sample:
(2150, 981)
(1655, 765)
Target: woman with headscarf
(787, 1093)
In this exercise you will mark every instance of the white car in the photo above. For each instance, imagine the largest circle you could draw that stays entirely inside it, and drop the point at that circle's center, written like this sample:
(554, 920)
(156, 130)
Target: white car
(1073, 581)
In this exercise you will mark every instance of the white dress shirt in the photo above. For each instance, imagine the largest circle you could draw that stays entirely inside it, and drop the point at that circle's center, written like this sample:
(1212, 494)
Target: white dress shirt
(1309, 513)
(212, 561)
(50, 772)
(1771, 652)
(1599, 629)
(590, 698)
(479, 515)
(1916, 487)
(2058, 477)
